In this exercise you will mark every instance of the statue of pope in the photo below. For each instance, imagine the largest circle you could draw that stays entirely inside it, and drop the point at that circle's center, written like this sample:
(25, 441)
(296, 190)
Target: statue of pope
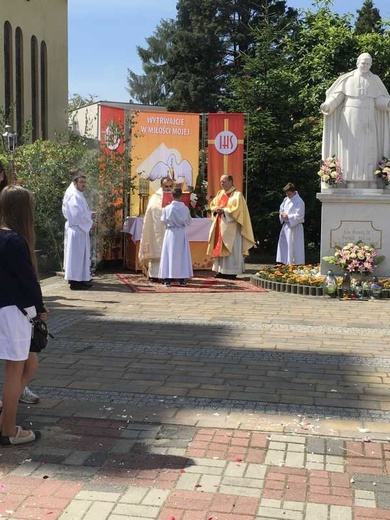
(357, 121)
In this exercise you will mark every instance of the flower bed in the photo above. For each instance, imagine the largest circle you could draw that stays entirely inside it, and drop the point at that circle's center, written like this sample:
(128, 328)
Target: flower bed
(303, 279)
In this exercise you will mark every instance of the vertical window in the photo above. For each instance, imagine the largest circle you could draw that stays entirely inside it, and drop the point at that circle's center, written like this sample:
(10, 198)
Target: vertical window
(8, 83)
(34, 89)
(43, 90)
(19, 81)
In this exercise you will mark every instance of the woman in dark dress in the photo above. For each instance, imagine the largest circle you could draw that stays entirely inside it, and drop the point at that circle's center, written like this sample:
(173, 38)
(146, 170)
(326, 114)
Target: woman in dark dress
(19, 290)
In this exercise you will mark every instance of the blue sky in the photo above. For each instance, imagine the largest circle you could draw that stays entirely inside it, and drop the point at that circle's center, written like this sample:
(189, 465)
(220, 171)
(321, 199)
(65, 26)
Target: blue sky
(103, 36)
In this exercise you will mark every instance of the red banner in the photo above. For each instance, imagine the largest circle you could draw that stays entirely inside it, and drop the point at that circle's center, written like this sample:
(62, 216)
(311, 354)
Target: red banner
(225, 150)
(112, 127)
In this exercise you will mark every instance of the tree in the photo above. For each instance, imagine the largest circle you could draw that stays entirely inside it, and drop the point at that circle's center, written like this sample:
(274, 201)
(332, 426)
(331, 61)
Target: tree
(153, 87)
(189, 60)
(267, 91)
(369, 19)
(78, 101)
(194, 64)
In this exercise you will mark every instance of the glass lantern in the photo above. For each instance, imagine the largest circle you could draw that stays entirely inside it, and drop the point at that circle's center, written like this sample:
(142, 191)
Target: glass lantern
(329, 285)
(375, 288)
(358, 290)
(346, 285)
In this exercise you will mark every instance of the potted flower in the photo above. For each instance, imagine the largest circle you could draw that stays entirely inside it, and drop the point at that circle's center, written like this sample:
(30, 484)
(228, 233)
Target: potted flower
(383, 172)
(355, 258)
(331, 172)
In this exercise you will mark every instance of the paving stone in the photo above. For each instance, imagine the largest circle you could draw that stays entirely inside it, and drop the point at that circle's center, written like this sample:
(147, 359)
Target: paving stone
(76, 510)
(268, 512)
(316, 512)
(26, 469)
(256, 471)
(316, 445)
(155, 497)
(247, 482)
(136, 511)
(340, 513)
(97, 496)
(99, 511)
(188, 481)
(383, 500)
(235, 469)
(335, 447)
(134, 495)
(240, 491)
(294, 460)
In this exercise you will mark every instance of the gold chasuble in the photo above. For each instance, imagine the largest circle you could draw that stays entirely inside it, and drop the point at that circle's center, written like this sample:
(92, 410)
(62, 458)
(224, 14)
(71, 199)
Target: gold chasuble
(223, 230)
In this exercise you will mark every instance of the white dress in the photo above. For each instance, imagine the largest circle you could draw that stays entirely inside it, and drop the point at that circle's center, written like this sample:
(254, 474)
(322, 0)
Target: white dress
(15, 333)
(176, 260)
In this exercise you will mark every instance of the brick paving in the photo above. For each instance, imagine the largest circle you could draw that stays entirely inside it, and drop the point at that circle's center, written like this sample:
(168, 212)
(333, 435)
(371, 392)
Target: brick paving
(193, 407)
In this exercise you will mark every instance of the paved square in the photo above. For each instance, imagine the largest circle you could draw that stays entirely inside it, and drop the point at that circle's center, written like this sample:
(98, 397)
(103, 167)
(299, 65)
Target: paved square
(205, 407)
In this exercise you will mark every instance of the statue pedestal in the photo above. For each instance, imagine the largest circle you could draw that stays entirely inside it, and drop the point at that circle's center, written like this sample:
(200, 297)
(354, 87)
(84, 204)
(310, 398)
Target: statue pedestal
(351, 214)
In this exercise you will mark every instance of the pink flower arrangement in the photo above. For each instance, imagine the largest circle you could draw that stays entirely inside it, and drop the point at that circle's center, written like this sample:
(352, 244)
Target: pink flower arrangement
(330, 171)
(383, 169)
(355, 258)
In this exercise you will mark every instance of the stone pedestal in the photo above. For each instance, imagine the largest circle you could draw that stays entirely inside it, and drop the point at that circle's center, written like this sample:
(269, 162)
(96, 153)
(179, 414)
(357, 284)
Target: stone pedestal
(351, 214)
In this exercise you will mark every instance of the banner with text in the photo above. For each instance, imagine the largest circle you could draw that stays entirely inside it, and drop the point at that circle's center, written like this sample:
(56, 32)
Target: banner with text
(225, 150)
(165, 144)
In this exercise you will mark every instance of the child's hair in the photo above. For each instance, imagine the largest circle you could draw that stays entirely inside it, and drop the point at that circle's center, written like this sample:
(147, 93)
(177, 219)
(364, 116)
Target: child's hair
(177, 193)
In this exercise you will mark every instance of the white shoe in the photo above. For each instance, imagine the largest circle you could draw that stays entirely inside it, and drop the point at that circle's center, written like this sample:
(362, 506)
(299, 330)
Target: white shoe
(28, 397)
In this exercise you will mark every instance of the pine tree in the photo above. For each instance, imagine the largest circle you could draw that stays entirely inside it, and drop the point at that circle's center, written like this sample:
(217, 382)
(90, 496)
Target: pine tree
(368, 19)
(152, 87)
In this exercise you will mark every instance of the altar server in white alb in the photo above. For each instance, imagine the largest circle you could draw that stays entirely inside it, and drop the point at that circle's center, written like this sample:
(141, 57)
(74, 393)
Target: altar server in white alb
(176, 263)
(77, 245)
(291, 245)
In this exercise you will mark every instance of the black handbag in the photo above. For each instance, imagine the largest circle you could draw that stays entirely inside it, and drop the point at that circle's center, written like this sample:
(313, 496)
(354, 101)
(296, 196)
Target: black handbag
(40, 335)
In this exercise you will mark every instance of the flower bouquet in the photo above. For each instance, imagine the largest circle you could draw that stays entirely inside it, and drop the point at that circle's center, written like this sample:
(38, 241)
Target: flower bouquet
(355, 258)
(383, 170)
(199, 200)
(331, 172)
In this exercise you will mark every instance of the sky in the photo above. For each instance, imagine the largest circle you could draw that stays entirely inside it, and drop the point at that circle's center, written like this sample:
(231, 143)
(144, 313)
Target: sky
(104, 35)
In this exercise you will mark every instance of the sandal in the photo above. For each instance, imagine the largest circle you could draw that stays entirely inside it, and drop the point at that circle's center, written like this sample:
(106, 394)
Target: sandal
(17, 439)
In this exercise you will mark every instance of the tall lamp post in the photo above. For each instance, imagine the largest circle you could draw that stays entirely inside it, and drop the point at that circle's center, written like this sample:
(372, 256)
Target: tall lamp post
(10, 140)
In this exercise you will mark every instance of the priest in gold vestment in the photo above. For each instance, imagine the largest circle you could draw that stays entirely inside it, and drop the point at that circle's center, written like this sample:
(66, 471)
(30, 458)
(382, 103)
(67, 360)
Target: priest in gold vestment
(231, 234)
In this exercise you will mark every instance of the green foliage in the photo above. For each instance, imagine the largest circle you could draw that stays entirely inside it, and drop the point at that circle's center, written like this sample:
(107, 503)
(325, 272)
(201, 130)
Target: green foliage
(43, 167)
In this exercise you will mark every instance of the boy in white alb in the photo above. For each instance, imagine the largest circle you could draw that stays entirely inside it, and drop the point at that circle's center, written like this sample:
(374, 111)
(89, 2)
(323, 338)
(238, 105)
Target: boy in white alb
(176, 260)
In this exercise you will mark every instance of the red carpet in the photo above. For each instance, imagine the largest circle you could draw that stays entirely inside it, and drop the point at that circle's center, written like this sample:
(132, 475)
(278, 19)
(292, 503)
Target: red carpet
(202, 282)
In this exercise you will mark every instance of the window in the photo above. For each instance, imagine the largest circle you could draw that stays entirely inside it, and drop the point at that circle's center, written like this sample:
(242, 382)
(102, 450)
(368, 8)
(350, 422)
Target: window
(34, 89)
(19, 81)
(43, 90)
(8, 84)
